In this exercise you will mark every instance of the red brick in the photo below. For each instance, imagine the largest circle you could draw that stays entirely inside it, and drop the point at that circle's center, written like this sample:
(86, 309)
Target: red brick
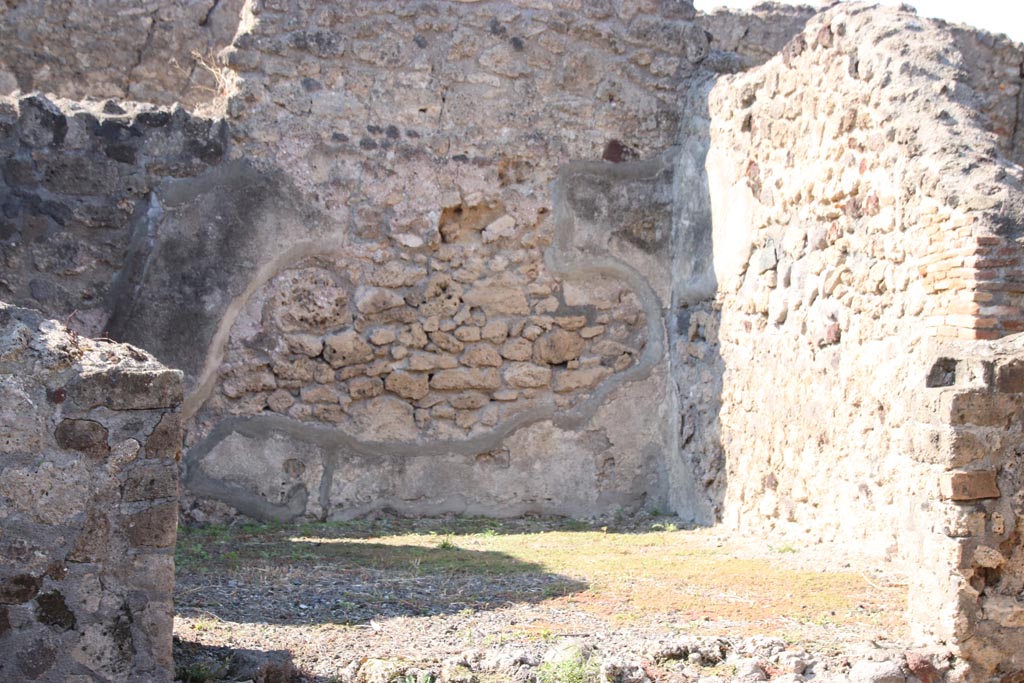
(980, 334)
(987, 262)
(963, 307)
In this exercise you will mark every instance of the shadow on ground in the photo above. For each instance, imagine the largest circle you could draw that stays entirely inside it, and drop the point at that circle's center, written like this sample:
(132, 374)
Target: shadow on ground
(328, 574)
(197, 663)
(348, 574)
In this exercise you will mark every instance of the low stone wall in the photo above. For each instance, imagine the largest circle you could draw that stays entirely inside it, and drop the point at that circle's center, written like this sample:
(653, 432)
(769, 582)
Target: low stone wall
(89, 452)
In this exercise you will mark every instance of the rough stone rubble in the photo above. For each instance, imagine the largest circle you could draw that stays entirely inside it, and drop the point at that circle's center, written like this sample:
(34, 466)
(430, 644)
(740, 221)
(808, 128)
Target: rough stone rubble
(89, 457)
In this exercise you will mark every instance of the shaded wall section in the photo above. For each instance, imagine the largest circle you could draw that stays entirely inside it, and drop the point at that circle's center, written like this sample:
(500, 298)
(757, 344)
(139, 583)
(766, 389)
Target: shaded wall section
(77, 213)
(88, 505)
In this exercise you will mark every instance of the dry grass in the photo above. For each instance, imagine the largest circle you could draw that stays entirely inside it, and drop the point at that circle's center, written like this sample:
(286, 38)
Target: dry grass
(482, 583)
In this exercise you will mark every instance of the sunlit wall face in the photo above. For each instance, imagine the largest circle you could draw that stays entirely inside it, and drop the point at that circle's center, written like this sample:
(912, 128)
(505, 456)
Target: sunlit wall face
(997, 16)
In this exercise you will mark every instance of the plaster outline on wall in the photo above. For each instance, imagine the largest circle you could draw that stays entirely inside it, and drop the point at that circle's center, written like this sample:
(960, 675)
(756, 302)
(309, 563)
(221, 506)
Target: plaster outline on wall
(562, 258)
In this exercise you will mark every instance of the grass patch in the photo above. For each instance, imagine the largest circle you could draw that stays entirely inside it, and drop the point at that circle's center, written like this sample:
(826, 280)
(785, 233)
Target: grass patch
(572, 670)
(687, 576)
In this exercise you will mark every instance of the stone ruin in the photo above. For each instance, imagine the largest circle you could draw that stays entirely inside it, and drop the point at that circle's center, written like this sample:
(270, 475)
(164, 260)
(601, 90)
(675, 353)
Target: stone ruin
(504, 257)
(88, 505)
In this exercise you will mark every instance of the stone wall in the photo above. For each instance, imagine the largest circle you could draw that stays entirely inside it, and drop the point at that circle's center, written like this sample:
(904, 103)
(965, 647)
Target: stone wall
(843, 215)
(89, 452)
(160, 51)
(442, 317)
(742, 40)
(867, 177)
(995, 69)
(436, 308)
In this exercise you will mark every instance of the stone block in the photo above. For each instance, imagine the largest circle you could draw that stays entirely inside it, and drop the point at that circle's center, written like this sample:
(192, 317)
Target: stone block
(968, 486)
(528, 375)
(347, 348)
(279, 401)
(301, 370)
(499, 295)
(23, 430)
(127, 389)
(85, 436)
(481, 355)
(495, 331)
(49, 492)
(36, 659)
(248, 379)
(52, 610)
(155, 527)
(867, 671)
(985, 409)
(1010, 377)
(470, 400)
(467, 333)
(365, 387)
(466, 378)
(319, 393)
(305, 344)
(413, 386)
(422, 361)
(151, 481)
(446, 342)
(1005, 610)
(18, 589)
(93, 542)
(558, 346)
(370, 300)
(394, 274)
(165, 439)
(517, 349)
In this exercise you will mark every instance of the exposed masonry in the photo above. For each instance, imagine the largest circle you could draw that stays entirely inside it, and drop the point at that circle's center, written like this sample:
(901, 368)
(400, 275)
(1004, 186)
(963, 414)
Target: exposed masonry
(508, 257)
(150, 51)
(523, 386)
(88, 506)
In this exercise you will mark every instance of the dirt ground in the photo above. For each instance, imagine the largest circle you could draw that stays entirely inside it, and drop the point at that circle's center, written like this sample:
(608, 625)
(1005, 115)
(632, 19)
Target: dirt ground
(414, 600)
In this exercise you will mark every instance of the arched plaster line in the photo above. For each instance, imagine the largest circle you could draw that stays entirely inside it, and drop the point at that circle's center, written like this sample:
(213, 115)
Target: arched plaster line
(215, 356)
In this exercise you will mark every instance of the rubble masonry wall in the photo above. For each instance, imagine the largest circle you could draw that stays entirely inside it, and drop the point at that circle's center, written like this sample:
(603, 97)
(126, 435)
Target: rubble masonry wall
(88, 506)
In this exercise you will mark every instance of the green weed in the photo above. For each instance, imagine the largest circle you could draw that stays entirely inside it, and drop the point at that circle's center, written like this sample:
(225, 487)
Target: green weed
(571, 670)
